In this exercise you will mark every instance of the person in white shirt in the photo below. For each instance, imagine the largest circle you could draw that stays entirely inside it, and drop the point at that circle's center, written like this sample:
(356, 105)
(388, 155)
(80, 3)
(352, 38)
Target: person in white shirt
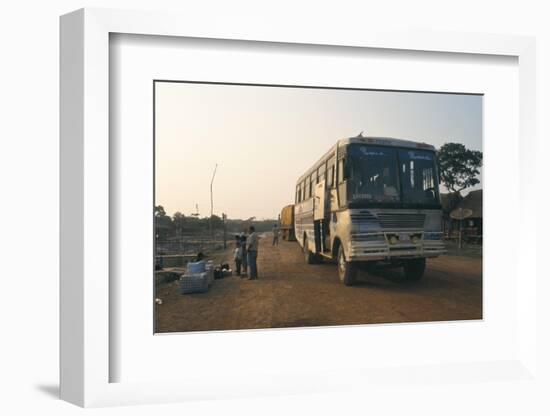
(252, 252)
(238, 254)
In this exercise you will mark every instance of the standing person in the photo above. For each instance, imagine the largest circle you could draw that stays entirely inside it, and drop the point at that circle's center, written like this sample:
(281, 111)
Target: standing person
(245, 254)
(275, 235)
(238, 254)
(252, 249)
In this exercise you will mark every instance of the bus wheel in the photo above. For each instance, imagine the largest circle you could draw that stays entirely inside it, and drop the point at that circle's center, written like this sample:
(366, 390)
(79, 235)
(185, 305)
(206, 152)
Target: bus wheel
(346, 269)
(414, 269)
(308, 255)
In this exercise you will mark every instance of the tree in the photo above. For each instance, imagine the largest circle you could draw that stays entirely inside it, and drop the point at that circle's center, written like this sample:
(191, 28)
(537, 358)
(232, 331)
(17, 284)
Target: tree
(458, 166)
(163, 223)
(159, 211)
(216, 222)
(178, 219)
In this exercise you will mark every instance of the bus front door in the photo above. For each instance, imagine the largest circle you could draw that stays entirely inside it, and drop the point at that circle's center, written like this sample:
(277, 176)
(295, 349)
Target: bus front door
(319, 211)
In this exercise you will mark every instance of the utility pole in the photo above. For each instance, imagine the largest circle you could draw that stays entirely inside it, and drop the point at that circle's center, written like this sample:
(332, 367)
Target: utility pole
(224, 217)
(212, 200)
(460, 235)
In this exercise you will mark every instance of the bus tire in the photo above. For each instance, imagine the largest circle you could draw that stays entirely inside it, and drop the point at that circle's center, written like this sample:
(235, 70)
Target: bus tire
(347, 270)
(308, 255)
(414, 269)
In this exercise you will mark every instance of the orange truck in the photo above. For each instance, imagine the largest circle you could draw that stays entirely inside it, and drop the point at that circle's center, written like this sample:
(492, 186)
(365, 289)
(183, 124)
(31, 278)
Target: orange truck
(287, 223)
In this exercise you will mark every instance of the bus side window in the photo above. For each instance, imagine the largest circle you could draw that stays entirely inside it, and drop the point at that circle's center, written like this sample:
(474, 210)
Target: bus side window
(341, 172)
(330, 173)
(321, 173)
(312, 183)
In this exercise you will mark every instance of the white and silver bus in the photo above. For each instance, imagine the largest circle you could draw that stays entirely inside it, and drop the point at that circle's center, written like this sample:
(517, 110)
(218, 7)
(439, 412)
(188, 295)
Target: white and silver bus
(371, 199)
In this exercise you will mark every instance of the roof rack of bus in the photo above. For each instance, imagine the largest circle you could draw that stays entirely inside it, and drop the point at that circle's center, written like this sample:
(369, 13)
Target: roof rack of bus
(386, 141)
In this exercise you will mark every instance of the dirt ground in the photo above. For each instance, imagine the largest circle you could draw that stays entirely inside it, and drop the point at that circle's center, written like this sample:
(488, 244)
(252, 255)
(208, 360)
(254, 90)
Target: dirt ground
(290, 293)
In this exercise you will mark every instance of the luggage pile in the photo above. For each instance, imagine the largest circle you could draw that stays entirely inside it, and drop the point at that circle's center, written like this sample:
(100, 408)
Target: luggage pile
(222, 271)
(198, 277)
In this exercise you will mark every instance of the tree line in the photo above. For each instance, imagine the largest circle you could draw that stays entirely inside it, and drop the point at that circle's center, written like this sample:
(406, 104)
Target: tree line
(180, 224)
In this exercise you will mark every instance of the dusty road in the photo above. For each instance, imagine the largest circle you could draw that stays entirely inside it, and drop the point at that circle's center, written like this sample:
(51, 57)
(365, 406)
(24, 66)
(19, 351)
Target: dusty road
(290, 293)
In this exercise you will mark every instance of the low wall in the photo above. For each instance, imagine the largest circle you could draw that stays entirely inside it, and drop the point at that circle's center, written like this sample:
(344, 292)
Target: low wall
(174, 260)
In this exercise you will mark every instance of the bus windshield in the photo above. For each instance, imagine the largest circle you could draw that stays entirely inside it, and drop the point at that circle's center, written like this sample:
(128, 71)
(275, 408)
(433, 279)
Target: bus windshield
(388, 175)
(418, 177)
(373, 173)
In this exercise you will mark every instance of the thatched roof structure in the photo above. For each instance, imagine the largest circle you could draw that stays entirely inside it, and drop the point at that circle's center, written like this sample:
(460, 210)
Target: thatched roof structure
(472, 201)
(449, 202)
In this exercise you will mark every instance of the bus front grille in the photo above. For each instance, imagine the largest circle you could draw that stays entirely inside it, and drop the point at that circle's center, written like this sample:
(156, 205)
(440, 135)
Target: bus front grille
(363, 216)
(397, 221)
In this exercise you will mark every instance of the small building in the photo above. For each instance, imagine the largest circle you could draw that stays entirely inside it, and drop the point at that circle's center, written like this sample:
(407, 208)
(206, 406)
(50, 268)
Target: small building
(472, 227)
(448, 203)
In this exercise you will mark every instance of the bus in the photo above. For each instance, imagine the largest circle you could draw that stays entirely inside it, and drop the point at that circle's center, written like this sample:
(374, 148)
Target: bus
(371, 200)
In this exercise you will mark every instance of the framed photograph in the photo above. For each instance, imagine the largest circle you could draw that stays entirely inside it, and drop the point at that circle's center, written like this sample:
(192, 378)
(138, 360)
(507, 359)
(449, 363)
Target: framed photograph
(274, 212)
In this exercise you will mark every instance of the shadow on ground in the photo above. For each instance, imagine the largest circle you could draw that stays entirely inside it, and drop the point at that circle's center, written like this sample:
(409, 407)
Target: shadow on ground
(51, 390)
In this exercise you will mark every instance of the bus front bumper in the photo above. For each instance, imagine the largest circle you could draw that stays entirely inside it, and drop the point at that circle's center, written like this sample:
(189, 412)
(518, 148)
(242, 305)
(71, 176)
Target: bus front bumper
(386, 245)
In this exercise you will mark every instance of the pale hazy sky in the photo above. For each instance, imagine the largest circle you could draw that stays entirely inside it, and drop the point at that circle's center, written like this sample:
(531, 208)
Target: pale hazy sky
(264, 138)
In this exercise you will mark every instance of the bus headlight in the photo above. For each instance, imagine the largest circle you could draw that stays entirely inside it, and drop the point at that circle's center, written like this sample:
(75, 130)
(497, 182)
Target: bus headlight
(392, 239)
(415, 239)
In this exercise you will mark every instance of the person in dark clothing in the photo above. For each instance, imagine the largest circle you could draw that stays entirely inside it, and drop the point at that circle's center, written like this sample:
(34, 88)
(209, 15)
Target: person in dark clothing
(275, 235)
(252, 243)
(245, 254)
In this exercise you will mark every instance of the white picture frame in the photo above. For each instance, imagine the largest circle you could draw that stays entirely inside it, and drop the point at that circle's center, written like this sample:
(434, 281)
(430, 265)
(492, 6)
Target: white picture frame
(85, 216)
